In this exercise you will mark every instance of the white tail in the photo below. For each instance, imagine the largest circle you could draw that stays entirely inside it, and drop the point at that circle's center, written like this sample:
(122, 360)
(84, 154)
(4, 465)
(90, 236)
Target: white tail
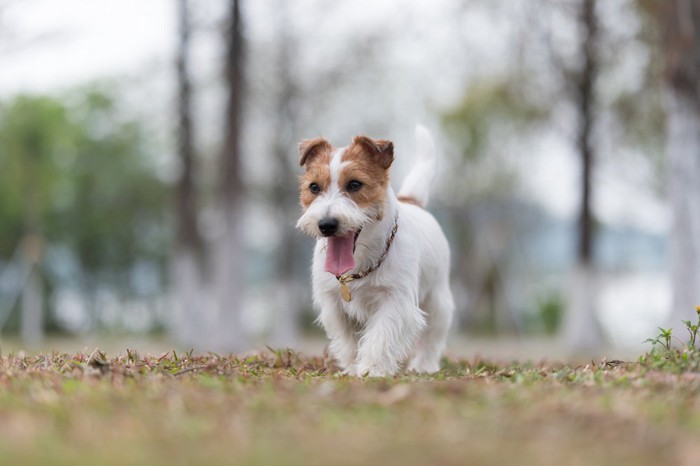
(416, 186)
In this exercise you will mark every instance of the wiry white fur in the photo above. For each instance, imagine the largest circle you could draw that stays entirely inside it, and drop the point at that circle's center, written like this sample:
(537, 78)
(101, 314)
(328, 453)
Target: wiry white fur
(402, 311)
(335, 167)
(417, 183)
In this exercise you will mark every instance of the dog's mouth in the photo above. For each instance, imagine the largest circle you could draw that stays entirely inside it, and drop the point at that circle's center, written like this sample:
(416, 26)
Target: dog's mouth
(339, 253)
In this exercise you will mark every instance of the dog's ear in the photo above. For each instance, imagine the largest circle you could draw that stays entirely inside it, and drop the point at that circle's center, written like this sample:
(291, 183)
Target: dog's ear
(381, 149)
(310, 148)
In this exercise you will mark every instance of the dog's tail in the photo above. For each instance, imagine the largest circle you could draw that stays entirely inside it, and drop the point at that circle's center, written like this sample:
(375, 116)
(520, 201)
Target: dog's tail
(416, 187)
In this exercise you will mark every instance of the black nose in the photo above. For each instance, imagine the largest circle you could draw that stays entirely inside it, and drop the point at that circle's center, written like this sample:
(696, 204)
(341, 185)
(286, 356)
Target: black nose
(328, 226)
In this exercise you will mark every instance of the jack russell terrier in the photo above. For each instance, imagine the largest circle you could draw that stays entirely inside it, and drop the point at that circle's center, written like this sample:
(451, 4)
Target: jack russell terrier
(381, 264)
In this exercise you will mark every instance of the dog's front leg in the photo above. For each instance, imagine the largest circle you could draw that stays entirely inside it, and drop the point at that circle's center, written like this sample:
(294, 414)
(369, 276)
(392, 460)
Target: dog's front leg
(341, 332)
(389, 337)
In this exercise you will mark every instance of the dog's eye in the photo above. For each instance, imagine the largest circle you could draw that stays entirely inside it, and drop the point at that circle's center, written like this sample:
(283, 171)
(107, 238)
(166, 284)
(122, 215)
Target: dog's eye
(314, 188)
(354, 185)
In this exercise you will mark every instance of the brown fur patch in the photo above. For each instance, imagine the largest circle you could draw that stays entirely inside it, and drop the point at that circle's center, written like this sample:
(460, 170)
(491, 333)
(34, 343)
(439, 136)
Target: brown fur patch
(317, 163)
(309, 149)
(409, 200)
(367, 161)
(379, 149)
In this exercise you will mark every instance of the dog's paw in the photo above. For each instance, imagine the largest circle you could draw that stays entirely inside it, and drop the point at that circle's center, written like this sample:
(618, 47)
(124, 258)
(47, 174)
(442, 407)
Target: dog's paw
(351, 370)
(374, 371)
(424, 367)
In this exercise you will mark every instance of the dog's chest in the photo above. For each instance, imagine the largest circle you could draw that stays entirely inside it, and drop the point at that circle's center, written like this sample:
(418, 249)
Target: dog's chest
(365, 302)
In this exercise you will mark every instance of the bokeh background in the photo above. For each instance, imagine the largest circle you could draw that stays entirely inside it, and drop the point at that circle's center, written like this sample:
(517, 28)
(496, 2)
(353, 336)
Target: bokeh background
(148, 162)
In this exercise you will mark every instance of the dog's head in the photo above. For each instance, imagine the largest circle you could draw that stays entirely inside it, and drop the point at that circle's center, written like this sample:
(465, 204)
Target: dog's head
(342, 190)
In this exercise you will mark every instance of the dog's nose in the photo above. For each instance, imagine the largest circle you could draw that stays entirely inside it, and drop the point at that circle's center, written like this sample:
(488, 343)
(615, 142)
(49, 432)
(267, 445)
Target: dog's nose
(328, 226)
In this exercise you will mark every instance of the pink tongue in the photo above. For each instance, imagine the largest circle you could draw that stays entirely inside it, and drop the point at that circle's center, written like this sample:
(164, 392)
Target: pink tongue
(339, 254)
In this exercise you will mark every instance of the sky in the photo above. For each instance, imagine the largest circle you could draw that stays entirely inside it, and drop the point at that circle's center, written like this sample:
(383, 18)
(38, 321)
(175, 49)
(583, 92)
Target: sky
(57, 44)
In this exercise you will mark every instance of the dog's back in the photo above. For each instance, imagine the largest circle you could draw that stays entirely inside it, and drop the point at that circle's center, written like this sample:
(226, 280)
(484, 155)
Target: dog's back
(428, 239)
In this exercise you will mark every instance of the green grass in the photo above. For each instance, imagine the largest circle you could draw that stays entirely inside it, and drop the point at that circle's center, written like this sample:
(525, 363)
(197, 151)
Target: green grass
(671, 353)
(283, 408)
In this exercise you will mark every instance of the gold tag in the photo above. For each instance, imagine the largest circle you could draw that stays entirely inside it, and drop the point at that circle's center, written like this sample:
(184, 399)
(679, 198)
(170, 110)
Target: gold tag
(345, 292)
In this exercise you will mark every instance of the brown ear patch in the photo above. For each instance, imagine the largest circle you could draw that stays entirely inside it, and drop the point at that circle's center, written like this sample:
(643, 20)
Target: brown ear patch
(309, 149)
(367, 160)
(379, 149)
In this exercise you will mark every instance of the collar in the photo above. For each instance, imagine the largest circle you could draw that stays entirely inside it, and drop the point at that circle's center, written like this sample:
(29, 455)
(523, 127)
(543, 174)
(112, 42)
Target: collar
(345, 279)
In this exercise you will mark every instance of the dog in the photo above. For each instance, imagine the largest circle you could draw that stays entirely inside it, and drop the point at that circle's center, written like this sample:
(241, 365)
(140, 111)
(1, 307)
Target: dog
(380, 273)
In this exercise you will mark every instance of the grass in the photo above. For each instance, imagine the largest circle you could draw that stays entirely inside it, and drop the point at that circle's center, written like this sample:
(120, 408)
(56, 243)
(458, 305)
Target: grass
(672, 354)
(283, 408)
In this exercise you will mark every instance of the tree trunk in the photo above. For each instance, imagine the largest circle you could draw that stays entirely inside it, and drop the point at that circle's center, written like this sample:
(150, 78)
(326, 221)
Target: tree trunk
(683, 152)
(681, 26)
(228, 248)
(186, 267)
(32, 318)
(285, 329)
(32, 321)
(581, 330)
(585, 86)
(187, 232)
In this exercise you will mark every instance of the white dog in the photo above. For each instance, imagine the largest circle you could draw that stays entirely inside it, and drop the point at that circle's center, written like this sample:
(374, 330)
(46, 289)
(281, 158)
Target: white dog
(381, 264)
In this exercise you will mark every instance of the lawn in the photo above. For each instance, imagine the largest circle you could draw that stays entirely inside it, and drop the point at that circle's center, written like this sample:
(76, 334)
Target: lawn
(284, 408)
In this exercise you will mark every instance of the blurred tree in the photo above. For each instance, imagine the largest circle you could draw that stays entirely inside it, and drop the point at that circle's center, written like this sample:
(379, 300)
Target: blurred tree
(79, 177)
(228, 251)
(113, 213)
(680, 22)
(482, 184)
(283, 194)
(581, 330)
(640, 109)
(609, 77)
(209, 273)
(566, 59)
(586, 102)
(187, 272)
(31, 130)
